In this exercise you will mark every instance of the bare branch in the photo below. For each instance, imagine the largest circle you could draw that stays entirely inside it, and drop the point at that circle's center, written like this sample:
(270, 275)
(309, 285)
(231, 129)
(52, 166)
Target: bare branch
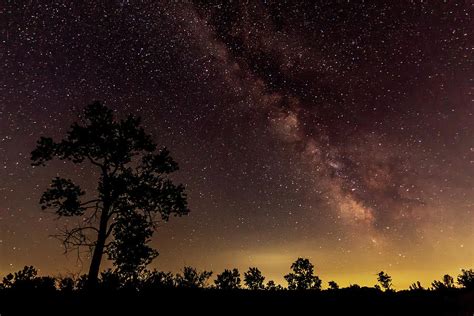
(109, 231)
(91, 201)
(95, 163)
(75, 238)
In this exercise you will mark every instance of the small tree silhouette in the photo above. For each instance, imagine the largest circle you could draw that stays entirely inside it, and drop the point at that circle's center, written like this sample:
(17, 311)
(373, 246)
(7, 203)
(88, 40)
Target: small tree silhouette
(191, 278)
(416, 287)
(333, 285)
(129, 249)
(153, 280)
(466, 279)
(27, 279)
(253, 279)
(446, 283)
(302, 277)
(272, 286)
(111, 280)
(228, 280)
(66, 284)
(133, 189)
(385, 281)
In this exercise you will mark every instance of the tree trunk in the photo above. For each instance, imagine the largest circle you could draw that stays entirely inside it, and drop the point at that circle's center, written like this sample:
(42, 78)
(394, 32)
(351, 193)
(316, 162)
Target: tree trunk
(93, 276)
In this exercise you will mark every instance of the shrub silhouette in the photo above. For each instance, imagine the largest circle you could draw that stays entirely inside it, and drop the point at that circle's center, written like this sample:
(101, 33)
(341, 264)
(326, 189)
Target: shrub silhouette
(466, 279)
(133, 193)
(66, 284)
(155, 280)
(254, 279)
(416, 287)
(129, 249)
(272, 286)
(302, 277)
(111, 280)
(446, 283)
(191, 278)
(333, 285)
(228, 280)
(385, 281)
(27, 279)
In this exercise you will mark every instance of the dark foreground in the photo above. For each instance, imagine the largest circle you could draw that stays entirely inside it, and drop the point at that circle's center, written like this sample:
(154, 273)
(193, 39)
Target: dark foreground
(363, 301)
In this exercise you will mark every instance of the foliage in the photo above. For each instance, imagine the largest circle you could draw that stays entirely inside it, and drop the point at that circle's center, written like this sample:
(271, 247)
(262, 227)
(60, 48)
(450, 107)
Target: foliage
(466, 279)
(272, 286)
(191, 278)
(385, 281)
(27, 279)
(302, 277)
(416, 287)
(129, 249)
(254, 279)
(228, 280)
(66, 284)
(446, 283)
(153, 280)
(333, 285)
(133, 192)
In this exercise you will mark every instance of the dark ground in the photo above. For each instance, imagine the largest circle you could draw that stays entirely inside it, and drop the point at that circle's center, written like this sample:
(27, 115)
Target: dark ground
(363, 301)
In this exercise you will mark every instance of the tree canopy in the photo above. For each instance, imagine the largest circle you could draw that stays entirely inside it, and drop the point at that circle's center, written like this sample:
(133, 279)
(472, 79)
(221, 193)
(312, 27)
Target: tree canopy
(133, 192)
(302, 277)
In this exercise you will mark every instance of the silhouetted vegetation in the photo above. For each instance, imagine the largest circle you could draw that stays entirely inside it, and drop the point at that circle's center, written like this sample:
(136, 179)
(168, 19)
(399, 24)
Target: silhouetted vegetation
(133, 191)
(446, 283)
(416, 286)
(133, 194)
(253, 279)
(333, 285)
(302, 277)
(192, 279)
(189, 288)
(228, 280)
(385, 281)
(466, 279)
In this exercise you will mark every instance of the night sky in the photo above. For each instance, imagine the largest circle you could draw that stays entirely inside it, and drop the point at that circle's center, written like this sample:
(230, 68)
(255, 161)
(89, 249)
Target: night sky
(340, 131)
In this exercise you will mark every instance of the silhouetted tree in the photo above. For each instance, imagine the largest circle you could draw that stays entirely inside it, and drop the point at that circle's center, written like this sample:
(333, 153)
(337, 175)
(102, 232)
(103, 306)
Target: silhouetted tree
(152, 280)
(191, 278)
(228, 280)
(111, 280)
(385, 281)
(27, 279)
(133, 188)
(129, 249)
(333, 285)
(20, 278)
(66, 284)
(302, 277)
(253, 279)
(416, 287)
(446, 283)
(81, 282)
(271, 286)
(466, 279)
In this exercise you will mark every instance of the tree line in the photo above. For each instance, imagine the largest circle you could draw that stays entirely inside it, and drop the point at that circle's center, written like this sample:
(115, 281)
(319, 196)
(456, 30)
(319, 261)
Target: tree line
(133, 194)
(300, 278)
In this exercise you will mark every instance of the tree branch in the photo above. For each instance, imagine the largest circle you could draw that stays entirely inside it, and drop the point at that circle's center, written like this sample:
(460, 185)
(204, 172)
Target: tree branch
(90, 201)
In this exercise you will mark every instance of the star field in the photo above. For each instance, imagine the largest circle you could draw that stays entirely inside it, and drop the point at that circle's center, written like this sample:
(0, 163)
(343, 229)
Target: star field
(337, 131)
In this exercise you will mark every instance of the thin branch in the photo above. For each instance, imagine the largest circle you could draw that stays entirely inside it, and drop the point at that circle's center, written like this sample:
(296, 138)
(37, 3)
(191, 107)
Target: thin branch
(75, 238)
(94, 214)
(90, 201)
(109, 230)
(95, 163)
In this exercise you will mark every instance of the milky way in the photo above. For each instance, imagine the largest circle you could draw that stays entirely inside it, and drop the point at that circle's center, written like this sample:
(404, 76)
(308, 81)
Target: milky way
(337, 131)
